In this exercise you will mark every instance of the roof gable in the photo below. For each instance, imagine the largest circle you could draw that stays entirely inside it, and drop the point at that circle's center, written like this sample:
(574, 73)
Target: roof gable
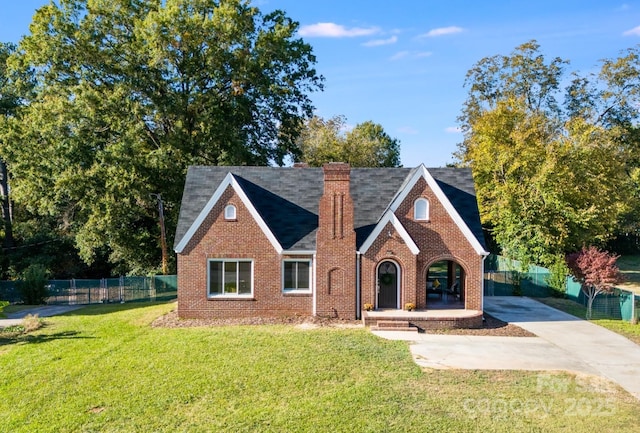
(228, 181)
(389, 217)
(465, 200)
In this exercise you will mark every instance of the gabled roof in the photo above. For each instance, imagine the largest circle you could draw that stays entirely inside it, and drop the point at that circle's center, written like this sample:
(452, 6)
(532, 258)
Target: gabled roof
(287, 199)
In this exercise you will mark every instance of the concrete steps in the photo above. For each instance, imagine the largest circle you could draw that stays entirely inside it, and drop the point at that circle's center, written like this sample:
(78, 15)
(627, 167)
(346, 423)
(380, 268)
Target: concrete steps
(394, 325)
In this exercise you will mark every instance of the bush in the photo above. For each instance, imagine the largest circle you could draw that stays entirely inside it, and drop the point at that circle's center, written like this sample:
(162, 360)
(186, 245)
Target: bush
(33, 285)
(31, 322)
(557, 279)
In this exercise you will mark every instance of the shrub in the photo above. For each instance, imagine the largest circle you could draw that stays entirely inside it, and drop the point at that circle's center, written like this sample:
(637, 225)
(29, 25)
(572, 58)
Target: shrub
(368, 307)
(31, 322)
(2, 305)
(557, 279)
(409, 306)
(33, 285)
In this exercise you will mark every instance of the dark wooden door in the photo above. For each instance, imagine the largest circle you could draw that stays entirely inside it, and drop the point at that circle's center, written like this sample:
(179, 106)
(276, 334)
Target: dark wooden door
(388, 285)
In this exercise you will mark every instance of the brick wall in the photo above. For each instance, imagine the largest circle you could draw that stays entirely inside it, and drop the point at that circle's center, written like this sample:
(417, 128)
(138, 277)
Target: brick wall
(440, 238)
(336, 245)
(238, 239)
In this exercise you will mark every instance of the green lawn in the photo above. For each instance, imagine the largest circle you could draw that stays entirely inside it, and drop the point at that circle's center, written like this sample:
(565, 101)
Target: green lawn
(104, 369)
(630, 268)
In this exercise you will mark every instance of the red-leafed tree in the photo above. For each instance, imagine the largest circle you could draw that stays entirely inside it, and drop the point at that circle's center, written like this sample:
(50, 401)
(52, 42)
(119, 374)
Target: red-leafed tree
(596, 271)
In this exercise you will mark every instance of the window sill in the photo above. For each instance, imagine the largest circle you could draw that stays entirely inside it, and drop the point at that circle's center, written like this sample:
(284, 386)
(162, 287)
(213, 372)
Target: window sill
(296, 293)
(230, 298)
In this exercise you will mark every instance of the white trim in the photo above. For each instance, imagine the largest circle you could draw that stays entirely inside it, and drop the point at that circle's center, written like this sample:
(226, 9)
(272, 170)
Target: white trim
(314, 291)
(224, 295)
(398, 280)
(389, 217)
(453, 213)
(229, 180)
(303, 291)
(358, 287)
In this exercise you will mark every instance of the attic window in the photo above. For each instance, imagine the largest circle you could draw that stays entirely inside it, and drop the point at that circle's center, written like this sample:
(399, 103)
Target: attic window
(421, 209)
(230, 212)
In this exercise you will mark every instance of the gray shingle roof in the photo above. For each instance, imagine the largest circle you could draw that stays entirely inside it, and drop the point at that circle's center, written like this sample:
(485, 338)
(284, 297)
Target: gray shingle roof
(287, 198)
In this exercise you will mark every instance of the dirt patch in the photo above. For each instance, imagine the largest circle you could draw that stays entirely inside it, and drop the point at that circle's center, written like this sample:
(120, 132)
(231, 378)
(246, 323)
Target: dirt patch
(492, 326)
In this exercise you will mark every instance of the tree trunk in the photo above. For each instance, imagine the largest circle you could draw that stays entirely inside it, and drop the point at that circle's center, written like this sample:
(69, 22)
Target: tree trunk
(589, 304)
(6, 206)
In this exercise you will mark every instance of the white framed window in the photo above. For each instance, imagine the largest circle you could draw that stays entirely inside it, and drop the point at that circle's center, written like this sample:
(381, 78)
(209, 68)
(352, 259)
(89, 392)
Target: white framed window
(296, 276)
(230, 212)
(229, 277)
(421, 209)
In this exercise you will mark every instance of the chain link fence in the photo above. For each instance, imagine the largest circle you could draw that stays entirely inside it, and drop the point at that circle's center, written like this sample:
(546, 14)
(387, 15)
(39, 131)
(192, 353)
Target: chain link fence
(101, 291)
(504, 277)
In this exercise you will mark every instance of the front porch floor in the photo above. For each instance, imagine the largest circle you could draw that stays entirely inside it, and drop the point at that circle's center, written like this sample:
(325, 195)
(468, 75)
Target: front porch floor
(426, 319)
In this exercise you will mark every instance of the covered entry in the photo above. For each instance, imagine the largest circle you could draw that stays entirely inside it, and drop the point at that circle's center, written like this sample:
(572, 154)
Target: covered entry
(388, 284)
(445, 284)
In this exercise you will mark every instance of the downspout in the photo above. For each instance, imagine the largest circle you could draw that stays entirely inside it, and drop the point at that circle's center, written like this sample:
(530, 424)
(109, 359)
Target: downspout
(315, 287)
(358, 309)
(484, 257)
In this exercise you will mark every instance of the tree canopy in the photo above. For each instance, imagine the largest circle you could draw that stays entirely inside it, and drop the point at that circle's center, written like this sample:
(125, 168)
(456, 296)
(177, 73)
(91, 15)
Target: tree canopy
(596, 271)
(130, 92)
(553, 171)
(366, 145)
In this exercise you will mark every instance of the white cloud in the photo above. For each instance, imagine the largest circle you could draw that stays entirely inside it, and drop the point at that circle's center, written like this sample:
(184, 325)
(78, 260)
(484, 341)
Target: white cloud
(407, 130)
(378, 42)
(633, 32)
(399, 55)
(441, 31)
(423, 54)
(453, 130)
(333, 30)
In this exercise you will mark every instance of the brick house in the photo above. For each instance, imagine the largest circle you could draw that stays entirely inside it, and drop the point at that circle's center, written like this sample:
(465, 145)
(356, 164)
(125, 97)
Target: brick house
(271, 241)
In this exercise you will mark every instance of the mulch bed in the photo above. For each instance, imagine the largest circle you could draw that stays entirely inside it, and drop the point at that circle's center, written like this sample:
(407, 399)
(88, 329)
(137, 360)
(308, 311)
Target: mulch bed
(492, 326)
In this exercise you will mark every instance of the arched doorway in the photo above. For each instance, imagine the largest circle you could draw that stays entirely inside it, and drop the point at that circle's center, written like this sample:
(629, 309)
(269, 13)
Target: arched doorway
(445, 284)
(388, 284)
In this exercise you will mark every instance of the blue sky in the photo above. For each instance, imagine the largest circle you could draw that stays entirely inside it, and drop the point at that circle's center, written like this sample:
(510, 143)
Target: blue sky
(402, 63)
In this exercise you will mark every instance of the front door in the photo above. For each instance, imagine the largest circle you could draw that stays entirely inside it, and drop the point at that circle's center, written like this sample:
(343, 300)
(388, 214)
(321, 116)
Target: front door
(387, 285)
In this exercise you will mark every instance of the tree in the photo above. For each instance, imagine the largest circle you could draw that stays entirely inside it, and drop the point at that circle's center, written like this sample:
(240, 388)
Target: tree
(366, 145)
(131, 92)
(548, 179)
(596, 271)
(10, 102)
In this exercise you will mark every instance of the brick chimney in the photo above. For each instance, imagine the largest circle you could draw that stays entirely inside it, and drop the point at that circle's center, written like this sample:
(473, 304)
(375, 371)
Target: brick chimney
(336, 245)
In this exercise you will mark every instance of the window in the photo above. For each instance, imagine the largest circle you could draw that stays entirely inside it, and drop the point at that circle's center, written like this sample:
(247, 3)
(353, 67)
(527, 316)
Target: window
(421, 209)
(230, 212)
(230, 278)
(296, 276)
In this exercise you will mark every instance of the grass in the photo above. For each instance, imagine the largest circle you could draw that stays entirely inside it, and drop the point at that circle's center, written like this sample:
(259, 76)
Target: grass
(628, 329)
(103, 368)
(630, 268)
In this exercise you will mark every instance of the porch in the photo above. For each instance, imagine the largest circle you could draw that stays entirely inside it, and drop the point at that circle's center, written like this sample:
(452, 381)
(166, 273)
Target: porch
(421, 320)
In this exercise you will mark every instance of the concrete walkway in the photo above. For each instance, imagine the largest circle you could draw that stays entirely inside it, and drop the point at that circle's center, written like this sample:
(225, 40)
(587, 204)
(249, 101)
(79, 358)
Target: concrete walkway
(563, 342)
(42, 311)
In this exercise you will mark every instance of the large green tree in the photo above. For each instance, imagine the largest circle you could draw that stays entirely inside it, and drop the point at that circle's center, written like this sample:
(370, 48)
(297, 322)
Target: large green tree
(365, 145)
(131, 92)
(551, 176)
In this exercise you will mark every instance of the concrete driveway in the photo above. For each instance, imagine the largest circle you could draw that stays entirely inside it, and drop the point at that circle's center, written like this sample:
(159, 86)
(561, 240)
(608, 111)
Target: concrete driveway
(563, 342)
(42, 311)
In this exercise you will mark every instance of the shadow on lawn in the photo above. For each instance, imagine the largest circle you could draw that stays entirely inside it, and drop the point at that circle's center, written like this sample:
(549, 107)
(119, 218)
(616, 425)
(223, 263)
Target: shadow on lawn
(100, 309)
(40, 338)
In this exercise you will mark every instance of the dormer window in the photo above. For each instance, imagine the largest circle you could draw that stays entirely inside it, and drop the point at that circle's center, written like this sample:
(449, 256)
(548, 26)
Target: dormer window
(230, 212)
(421, 209)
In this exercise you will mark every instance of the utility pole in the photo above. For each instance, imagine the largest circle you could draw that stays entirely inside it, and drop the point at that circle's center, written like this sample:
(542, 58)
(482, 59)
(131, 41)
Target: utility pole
(163, 238)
